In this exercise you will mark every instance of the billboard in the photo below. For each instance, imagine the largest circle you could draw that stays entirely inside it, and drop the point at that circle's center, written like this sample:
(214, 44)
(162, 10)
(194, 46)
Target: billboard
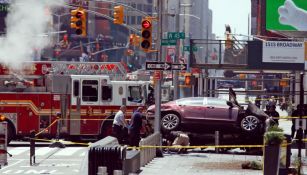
(286, 15)
(283, 52)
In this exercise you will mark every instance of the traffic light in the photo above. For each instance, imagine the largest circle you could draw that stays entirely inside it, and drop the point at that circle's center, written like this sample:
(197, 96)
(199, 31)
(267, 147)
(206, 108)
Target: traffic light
(78, 21)
(118, 14)
(189, 80)
(146, 34)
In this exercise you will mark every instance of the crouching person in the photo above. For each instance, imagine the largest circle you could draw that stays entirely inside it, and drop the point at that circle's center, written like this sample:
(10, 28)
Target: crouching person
(176, 138)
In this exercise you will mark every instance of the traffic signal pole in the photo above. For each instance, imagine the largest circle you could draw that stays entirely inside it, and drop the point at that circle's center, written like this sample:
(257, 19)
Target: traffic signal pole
(157, 126)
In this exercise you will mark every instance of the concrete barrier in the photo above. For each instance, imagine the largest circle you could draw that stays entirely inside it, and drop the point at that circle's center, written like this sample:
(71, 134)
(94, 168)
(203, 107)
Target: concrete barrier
(148, 154)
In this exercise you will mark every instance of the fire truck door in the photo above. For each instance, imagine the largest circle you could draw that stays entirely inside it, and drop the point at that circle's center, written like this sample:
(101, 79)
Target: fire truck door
(75, 115)
(75, 112)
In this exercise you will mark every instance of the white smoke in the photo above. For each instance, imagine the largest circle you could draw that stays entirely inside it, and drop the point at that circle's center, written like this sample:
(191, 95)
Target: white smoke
(27, 24)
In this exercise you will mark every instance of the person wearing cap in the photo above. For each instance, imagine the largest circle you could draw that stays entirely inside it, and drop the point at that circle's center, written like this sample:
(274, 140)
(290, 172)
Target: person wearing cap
(135, 127)
(119, 124)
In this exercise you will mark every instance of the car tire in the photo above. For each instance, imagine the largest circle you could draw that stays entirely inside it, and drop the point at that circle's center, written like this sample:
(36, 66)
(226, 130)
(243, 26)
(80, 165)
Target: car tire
(249, 123)
(170, 122)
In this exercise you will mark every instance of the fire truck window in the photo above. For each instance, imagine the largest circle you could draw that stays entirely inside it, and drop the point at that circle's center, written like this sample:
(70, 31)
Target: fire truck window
(106, 93)
(76, 88)
(90, 90)
(135, 94)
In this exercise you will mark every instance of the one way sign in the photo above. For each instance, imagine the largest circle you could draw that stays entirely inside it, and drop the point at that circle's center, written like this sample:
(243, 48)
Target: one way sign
(179, 66)
(158, 66)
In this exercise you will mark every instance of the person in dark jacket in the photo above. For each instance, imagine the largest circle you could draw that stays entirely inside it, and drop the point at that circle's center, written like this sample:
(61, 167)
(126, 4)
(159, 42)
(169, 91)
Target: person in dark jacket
(296, 114)
(271, 111)
(135, 127)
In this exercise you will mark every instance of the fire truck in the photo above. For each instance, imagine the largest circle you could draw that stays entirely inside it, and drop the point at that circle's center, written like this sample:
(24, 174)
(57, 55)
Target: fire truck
(86, 95)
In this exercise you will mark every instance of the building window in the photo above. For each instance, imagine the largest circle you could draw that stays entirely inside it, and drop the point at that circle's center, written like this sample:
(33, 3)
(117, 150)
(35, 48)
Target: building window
(90, 90)
(139, 7)
(133, 20)
(139, 21)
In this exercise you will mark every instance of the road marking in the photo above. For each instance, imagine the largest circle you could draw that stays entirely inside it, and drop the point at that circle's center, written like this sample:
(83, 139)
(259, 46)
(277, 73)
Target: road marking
(43, 151)
(67, 151)
(82, 154)
(8, 166)
(32, 172)
(18, 150)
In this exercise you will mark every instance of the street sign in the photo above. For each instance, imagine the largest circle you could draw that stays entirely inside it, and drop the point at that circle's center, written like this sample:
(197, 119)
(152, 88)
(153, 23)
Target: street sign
(158, 66)
(187, 48)
(179, 66)
(167, 42)
(175, 35)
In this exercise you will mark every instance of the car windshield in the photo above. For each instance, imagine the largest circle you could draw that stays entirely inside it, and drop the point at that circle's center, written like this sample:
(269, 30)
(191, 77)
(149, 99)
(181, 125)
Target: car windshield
(191, 101)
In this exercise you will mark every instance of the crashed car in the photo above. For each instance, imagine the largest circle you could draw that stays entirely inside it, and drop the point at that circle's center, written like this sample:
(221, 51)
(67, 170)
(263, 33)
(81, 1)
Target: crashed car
(207, 114)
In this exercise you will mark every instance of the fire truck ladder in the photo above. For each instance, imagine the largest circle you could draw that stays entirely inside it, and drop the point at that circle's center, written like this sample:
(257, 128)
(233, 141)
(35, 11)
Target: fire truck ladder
(115, 70)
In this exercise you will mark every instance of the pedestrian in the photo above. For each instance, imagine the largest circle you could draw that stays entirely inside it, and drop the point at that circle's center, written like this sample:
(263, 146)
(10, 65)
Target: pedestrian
(258, 101)
(271, 111)
(177, 138)
(135, 127)
(120, 125)
(295, 115)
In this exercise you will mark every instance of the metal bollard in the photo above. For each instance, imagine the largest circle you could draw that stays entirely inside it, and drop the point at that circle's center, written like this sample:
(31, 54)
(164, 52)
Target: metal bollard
(117, 172)
(32, 148)
(102, 170)
(217, 140)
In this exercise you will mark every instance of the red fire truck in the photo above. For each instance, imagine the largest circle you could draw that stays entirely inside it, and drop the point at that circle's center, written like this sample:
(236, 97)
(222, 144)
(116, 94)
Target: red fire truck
(85, 94)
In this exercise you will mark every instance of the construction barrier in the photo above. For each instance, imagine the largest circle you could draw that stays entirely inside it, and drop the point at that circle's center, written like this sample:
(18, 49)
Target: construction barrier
(3, 144)
(149, 153)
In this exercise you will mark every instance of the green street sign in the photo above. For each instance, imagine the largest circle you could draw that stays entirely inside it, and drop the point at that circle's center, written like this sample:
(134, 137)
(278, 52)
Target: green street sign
(167, 42)
(175, 35)
(187, 49)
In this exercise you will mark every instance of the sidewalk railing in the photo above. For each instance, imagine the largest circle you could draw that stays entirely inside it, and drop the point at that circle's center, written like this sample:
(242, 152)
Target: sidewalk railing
(149, 153)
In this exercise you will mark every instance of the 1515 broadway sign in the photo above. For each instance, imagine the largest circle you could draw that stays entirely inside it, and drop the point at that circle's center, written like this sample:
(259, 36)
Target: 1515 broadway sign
(283, 52)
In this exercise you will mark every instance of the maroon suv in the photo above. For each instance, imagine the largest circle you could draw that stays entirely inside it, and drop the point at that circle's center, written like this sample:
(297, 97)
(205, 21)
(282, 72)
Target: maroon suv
(201, 114)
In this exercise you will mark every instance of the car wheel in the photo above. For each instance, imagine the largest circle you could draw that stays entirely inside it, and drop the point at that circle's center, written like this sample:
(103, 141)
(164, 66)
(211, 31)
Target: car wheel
(170, 121)
(249, 123)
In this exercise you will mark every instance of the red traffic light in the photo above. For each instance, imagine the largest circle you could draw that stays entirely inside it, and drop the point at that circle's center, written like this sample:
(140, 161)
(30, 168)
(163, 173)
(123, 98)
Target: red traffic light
(79, 14)
(146, 24)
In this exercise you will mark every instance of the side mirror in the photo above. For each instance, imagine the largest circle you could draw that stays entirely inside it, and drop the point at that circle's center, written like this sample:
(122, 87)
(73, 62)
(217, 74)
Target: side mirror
(230, 104)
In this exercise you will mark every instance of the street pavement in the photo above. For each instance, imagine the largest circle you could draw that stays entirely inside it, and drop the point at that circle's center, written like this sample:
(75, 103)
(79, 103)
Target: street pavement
(195, 163)
(69, 160)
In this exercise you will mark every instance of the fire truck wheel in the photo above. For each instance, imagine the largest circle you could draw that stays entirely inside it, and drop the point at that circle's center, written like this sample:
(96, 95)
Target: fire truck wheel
(106, 129)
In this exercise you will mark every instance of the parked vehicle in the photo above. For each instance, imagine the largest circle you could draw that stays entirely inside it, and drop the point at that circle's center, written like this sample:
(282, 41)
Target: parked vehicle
(207, 114)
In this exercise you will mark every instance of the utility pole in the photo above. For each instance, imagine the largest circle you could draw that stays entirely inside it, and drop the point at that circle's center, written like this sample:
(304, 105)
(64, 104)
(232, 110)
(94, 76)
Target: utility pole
(175, 78)
(157, 127)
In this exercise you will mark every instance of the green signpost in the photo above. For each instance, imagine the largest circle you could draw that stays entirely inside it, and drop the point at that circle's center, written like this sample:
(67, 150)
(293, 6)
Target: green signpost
(175, 35)
(168, 42)
(187, 49)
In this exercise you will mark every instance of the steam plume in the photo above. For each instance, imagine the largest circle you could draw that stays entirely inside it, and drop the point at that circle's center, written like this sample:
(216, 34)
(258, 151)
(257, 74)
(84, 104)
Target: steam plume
(26, 23)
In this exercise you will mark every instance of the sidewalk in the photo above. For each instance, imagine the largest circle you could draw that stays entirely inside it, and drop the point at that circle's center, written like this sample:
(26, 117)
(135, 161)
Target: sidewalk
(197, 163)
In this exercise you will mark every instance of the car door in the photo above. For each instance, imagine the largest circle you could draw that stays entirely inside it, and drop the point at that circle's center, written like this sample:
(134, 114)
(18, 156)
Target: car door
(192, 109)
(218, 110)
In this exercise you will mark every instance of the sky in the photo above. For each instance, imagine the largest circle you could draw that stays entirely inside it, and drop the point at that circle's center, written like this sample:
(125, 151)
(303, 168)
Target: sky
(232, 12)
